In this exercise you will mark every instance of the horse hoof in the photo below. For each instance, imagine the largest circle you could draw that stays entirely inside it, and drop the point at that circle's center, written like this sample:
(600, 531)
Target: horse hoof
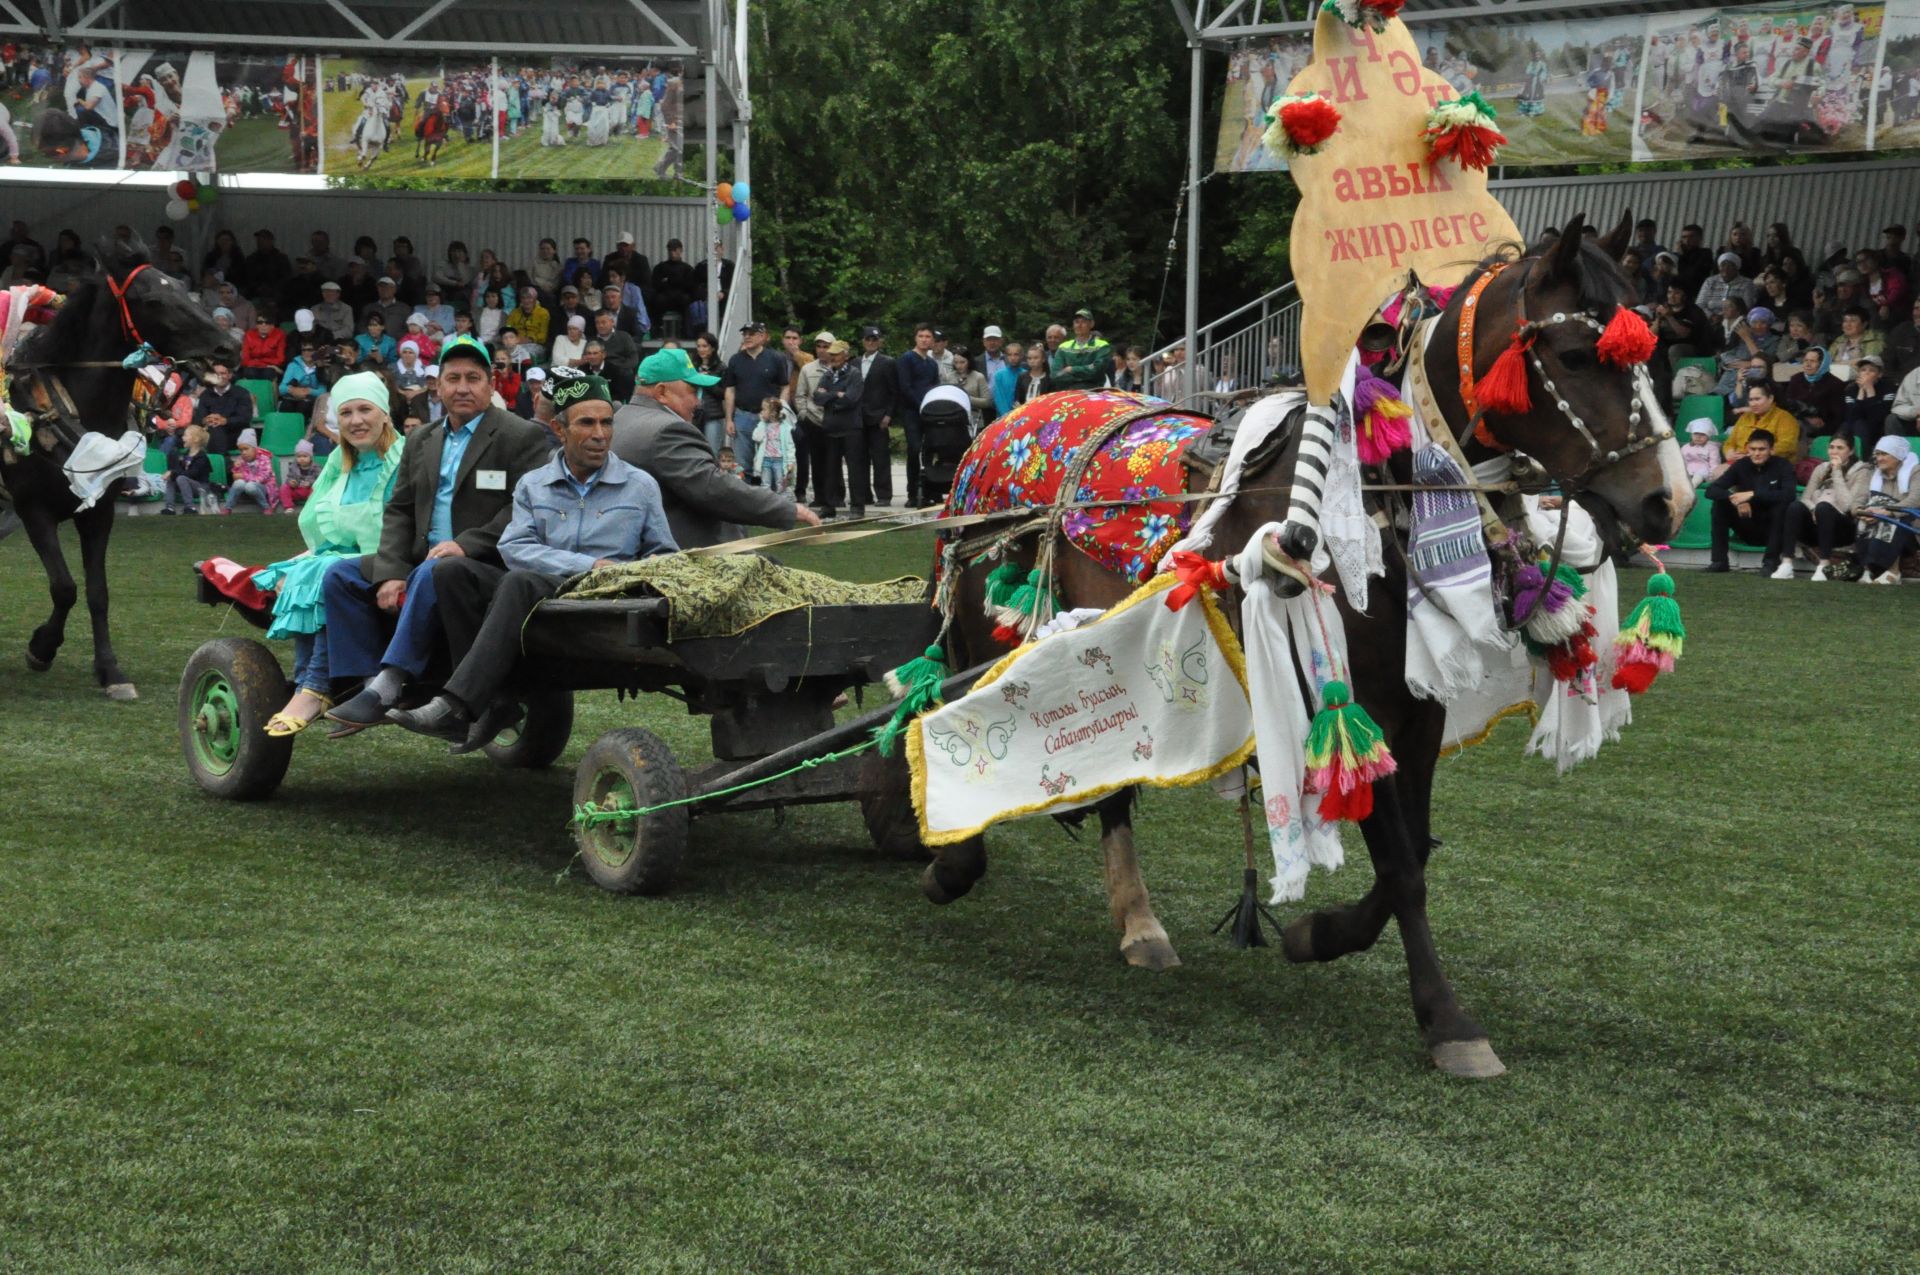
(123, 691)
(1469, 1059)
(1297, 939)
(37, 664)
(1150, 954)
(935, 890)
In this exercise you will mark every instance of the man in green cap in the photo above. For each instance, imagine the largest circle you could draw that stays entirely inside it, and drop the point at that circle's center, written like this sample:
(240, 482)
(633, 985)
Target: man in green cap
(585, 508)
(705, 505)
(1081, 363)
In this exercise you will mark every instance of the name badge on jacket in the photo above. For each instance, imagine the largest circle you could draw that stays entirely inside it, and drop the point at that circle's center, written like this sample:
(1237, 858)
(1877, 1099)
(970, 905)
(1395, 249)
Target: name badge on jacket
(490, 479)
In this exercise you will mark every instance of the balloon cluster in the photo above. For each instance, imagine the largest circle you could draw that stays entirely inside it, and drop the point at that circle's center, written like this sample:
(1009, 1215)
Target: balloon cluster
(189, 197)
(731, 202)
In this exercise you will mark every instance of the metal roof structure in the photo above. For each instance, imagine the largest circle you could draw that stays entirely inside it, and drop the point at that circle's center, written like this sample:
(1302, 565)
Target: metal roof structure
(1217, 24)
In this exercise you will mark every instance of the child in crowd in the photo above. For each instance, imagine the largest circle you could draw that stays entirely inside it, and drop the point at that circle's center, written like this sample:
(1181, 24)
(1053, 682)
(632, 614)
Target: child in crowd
(251, 475)
(519, 353)
(189, 472)
(1700, 453)
(492, 315)
(773, 457)
(297, 483)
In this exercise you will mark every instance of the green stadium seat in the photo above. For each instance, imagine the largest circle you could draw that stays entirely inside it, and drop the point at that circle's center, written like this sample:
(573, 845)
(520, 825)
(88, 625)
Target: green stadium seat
(1818, 447)
(217, 464)
(279, 431)
(1708, 365)
(1697, 531)
(263, 392)
(1694, 406)
(156, 461)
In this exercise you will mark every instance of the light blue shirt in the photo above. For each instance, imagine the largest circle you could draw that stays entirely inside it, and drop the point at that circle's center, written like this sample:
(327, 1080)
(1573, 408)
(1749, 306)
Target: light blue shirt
(561, 526)
(440, 526)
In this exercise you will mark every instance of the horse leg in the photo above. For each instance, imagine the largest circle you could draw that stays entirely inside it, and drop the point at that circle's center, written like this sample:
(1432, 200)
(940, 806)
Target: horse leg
(44, 533)
(1457, 1043)
(1142, 940)
(96, 527)
(954, 871)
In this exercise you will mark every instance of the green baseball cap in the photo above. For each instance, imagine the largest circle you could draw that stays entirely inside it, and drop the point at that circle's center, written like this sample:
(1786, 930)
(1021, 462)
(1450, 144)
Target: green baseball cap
(672, 365)
(463, 346)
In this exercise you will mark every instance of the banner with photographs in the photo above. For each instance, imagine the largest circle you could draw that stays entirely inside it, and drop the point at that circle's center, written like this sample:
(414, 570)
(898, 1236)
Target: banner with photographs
(1700, 84)
(597, 119)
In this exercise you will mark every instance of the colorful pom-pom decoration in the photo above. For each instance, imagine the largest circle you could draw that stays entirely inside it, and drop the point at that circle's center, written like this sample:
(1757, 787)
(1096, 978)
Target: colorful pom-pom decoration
(1626, 340)
(1382, 417)
(1651, 639)
(1300, 123)
(1025, 609)
(1346, 752)
(916, 684)
(1001, 582)
(1463, 131)
(1371, 14)
(1503, 390)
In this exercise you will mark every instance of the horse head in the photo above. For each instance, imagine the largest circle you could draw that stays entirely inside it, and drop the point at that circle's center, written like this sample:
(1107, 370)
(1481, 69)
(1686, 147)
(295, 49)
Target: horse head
(1589, 416)
(153, 307)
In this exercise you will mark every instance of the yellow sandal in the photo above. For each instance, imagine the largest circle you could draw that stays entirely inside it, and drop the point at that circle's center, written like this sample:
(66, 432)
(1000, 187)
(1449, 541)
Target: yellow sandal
(282, 726)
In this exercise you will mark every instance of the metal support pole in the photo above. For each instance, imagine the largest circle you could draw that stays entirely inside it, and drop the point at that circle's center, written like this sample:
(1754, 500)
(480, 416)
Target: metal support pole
(712, 231)
(1195, 99)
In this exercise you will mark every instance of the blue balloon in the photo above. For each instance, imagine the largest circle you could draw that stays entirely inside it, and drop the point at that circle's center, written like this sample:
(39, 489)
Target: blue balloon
(740, 210)
(742, 193)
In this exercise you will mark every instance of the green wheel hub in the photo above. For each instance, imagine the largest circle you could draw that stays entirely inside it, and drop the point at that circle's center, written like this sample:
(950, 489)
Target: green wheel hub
(611, 841)
(216, 723)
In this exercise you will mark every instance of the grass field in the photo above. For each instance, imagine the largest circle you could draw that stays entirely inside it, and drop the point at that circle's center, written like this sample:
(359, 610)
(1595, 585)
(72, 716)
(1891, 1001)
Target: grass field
(624, 156)
(376, 1025)
(1555, 137)
(339, 110)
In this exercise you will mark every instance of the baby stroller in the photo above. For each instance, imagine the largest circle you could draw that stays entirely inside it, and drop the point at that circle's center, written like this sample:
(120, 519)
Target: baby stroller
(946, 431)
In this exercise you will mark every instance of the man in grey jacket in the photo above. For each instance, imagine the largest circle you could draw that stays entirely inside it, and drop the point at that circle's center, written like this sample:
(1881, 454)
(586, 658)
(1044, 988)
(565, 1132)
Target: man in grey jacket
(704, 503)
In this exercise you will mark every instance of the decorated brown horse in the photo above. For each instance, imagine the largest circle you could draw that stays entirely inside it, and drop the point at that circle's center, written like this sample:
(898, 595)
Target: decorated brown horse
(69, 376)
(1597, 432)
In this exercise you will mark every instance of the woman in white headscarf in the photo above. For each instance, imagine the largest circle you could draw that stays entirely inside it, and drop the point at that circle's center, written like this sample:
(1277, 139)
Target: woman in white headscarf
(341, 519)
(1891, 529)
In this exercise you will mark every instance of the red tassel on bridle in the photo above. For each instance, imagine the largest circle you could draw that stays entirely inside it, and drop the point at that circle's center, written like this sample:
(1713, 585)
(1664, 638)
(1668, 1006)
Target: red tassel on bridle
(1503, 389)
(1627, 339)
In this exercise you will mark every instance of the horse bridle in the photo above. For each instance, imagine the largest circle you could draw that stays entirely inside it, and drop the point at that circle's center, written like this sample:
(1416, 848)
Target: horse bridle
(1526, 332)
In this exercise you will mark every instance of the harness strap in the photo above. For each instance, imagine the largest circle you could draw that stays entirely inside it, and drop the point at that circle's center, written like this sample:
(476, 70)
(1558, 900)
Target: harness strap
(118, 287)
(1494, 526)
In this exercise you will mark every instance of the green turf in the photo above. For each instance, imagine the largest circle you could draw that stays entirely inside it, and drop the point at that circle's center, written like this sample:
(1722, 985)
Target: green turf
(374, 1024)
(257, 145)
(458, 157)
(624, 156)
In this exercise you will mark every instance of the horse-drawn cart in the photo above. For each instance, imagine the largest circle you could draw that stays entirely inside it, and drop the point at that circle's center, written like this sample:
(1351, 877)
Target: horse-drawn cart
(769, 693)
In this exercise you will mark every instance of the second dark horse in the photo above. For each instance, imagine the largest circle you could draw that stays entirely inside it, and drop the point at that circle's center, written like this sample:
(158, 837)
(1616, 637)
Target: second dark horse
(103, 320)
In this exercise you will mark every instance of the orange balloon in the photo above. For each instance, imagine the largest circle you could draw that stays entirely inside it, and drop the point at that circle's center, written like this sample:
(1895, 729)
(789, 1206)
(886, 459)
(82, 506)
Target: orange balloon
(724, 193)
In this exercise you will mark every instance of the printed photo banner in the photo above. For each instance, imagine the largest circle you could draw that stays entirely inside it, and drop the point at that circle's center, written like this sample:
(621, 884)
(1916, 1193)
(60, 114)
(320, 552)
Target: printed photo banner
(1138, 695)
(1700, 84)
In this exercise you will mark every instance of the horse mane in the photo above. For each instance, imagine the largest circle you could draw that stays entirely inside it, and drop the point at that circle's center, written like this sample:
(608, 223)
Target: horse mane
(1597, 276)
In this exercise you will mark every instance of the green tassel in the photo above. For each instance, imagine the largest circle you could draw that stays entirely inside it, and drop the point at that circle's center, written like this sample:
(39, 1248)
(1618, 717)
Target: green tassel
(1030, 604)
(917, 686)
(1337, 706)
(1480, 104)
(1575, 582)
(1002, 583)
(1659, 609)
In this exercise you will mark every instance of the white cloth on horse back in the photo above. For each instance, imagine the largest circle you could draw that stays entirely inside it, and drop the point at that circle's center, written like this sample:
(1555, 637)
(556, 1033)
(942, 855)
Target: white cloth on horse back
(1577, 717)
(1257, 424)
(98, 462)
(1453, 626)
(1286, 644)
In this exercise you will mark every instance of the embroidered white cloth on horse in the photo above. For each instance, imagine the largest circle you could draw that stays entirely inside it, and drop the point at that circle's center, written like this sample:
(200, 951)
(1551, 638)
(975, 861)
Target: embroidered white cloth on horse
(1257, 424)
(1348, 537)
(1138, 695)
(1288, 640)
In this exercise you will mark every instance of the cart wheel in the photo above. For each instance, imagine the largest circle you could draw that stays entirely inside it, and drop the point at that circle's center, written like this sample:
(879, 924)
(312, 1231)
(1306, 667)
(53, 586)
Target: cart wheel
(230, 688)
(631, 769)
(886, 807)
(541, 736)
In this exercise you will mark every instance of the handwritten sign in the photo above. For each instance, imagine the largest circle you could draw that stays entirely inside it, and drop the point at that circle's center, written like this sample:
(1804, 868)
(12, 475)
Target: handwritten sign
(1140, 695)
(1370, 208)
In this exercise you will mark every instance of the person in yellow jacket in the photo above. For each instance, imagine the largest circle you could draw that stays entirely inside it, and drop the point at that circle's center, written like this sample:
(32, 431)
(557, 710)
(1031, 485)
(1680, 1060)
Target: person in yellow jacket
(1083, 362)
(1764, 413)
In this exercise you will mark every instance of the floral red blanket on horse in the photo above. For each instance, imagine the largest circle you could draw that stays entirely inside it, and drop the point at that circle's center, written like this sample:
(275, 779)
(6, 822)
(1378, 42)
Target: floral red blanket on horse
(1021, 459)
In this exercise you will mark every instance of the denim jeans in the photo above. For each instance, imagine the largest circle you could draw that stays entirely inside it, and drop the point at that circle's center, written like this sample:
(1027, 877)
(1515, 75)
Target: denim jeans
(773, 474)
(716, 432)
(310, 662)
(251, 491)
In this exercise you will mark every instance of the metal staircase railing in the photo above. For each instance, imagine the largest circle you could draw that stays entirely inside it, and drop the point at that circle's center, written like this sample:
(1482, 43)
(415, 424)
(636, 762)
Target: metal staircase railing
(1250, 346)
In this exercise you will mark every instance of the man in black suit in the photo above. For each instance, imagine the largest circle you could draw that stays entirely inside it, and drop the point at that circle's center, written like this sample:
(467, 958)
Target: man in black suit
(673, 283)
(438, 562)
(918, 372)
(879, 405)
(704, 503)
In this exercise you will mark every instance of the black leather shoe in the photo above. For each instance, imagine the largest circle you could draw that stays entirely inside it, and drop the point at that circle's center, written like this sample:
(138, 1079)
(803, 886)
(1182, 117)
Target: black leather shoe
(500, 715)
(1715, 568)
(363, 710)
(439, 717)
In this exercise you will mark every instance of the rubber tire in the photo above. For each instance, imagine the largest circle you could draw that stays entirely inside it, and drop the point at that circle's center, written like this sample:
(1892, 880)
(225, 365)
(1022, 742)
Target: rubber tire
(886, 807)
(658, 842)
(541, 736)
(260, 688)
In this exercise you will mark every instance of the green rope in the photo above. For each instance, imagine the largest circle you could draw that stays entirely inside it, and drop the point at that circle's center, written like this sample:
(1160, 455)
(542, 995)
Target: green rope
(588, 815)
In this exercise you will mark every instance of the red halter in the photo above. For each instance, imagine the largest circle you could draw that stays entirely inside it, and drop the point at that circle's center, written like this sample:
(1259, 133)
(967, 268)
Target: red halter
(119, 289)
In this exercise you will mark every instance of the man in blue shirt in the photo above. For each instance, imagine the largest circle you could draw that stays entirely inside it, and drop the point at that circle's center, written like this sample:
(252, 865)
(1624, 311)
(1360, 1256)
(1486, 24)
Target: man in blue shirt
(586, 508)
(451, 501)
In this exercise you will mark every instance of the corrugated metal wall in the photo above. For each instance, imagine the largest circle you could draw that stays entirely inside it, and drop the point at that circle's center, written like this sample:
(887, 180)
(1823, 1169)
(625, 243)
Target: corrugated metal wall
(512, 225)
(1819, 202)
